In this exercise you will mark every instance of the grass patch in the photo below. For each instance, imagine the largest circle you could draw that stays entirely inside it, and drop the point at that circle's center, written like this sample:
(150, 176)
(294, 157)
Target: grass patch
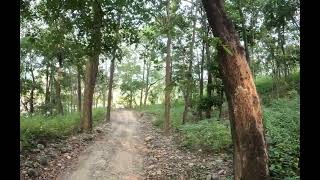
(60, 126)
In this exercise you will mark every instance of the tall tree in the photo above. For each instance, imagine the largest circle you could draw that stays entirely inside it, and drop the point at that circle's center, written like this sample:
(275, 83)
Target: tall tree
(110, 84)
(187, 94)
(92, 67)
(167, 123)
(250, 152)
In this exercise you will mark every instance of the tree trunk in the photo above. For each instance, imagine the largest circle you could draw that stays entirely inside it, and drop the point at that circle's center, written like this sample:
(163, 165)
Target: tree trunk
(47, 93)
(201, 76)
(31, 101)
(209, 85)
(110, 84)
(189, 73)
(131, 99)
(104, 97)
(167, 123)
(185, 113)
(147, 84)
(79, 88)
(250, 152)
(52, 99)
(220, 105)
(58, 92)
(141, 93)
(92, 68)
(244, 31)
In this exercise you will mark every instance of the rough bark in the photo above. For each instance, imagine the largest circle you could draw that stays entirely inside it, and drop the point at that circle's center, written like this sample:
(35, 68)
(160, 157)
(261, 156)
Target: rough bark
(92, 68)
(110, 84)
(250, 152)
(167, 124)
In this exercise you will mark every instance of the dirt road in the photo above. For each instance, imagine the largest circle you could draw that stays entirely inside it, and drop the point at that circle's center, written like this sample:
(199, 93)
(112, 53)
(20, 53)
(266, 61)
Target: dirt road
(117, 155)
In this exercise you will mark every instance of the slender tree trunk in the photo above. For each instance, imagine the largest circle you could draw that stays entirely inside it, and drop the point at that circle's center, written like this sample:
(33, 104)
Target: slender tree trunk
(92, 68)
(110, 84)
(189, 73)
(244, 31)
(201, 76)
(147, 84)
(79, 88)
(47, 93)
(32, 93)
(131, 99)
(185, 113)
(58, 87)
(167, 123)
(52, 99)
(250, 152)
(220, 105)
(58, 92)
(104, 97)
(209, 85)
(97, 101)
(141, 92)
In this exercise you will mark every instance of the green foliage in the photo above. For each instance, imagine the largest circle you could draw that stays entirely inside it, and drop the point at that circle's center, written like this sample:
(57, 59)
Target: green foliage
(158, 110)
(37, 127)
(282, 122)
(266, 86)
(207, 102)
(209, 135)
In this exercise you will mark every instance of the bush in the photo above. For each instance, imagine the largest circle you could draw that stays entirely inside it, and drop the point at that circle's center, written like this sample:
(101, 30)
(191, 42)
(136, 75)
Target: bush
(208, 135)
(283, 133)
(40, 127)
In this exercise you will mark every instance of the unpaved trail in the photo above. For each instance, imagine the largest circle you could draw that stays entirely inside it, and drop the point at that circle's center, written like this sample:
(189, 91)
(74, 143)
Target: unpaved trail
(118, 154)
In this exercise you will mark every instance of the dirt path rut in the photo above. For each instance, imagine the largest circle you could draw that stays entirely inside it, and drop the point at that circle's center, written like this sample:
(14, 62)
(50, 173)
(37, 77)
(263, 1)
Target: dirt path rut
(118, 154)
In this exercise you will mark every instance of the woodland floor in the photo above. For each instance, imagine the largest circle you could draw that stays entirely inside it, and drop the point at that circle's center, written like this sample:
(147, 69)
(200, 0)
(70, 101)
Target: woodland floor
(128, 147)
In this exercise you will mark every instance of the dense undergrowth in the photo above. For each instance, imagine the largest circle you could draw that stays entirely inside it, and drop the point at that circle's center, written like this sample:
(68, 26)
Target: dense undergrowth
(36, 127)
(281, 119)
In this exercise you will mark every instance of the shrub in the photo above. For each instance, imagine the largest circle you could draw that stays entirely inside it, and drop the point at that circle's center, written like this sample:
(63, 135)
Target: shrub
(208, 135)
(37, 127)
(283, 133)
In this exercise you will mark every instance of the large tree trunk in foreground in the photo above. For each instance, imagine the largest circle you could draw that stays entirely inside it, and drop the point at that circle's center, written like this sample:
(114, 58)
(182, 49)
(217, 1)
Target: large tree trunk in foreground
(250, 152)
(167, 124)
(110, 84)
(92, 68)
